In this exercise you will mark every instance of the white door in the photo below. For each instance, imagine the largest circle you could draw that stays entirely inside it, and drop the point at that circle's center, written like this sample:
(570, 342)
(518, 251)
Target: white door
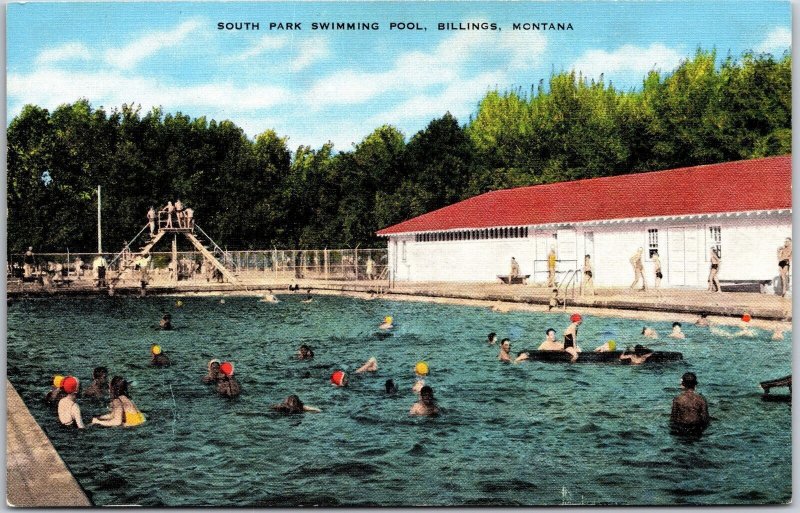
(567, 250)
(682, 256)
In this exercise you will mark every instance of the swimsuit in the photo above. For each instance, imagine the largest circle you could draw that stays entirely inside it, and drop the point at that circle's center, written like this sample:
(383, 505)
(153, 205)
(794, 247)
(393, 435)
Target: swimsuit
(568, 341)
(715, 266)
(658, 273)
(588, 273)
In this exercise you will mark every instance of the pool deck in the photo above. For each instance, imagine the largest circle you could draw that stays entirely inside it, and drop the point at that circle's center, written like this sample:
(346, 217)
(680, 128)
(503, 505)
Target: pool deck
(729, 305)
(36, 476)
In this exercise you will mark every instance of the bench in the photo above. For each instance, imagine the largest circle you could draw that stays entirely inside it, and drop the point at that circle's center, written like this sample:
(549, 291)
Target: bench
(513, 280)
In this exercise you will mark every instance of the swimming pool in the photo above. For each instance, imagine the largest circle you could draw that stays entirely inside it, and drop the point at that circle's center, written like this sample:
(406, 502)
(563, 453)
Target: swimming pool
(528, 434)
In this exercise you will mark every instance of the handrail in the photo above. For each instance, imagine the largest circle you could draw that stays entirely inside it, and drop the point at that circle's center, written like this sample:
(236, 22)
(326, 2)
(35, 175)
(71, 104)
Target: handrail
(225, 257)
(569, 279)
(127, 246)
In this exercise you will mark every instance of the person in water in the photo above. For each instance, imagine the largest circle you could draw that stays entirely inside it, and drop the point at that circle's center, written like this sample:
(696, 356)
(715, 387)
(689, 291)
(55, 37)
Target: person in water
(160, 358)
(387, 323)
(608, 347)
(56, 393)
(293, 405)
(227, 385)
(166, 322)
(571, 336)
(390, 387)
(213, 372)
(421, 370)
(305, 352)
(648, 332)
(689, 409)
(702, 321)
(99, 387)
(370, 365)
(491, 339)
(123, 412)
(777, 334)
(270, 297)
(69, 413)
(676, 331)
(744, 329)
(308, 298)
(550, 343)
(639, 355)
(426, 404)
(505, 348)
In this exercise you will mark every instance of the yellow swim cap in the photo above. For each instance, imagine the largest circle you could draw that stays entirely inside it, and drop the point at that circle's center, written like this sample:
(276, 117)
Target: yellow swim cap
(156, 349)
(421, 368)
(388, 319)
(612, 345)
(57, 380)
(179, 303)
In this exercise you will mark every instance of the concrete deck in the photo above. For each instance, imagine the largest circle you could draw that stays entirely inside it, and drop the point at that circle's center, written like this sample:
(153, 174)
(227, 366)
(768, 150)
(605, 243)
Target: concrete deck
(36, 476)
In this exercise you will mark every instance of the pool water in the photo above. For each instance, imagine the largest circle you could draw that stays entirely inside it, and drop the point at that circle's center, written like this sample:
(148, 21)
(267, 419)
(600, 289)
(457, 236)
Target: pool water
(529, 434)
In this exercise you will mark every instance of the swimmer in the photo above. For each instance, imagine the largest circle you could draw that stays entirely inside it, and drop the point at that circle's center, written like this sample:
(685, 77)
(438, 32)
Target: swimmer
(649, 332)
(639, 355)
(676, 331)
(571, 336)
(608, 347)
(702, 321)
(421, 370)
(777, 334)
(491, 339)
(56, 393)
(270, 297)
(689, 410)
(308, 298)
(123, 412)
(390, 387)
(227, 386)
(744, 329)
(69, 413)
(305, 353)
(213, 372)
(370, 365)
(166, 322)
(293, 405)
(505, 347)
(339, 378)
(99, 386)
(160, 358)
(426, 404)
(550, 343)
(387, 323)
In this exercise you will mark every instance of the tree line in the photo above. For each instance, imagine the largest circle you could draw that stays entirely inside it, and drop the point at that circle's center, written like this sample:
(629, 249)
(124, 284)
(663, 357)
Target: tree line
(258, 194)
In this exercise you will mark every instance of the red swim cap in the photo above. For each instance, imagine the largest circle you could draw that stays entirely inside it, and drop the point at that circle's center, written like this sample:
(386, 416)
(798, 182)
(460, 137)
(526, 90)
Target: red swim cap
(226, 368)
(576, 318)
(746, 317)
(70, 384)
(338, 378)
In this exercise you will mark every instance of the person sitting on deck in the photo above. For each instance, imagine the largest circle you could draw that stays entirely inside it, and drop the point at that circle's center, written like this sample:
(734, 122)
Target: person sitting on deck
(387, 323)
(160, 358)
(304, 352)
(69, 413)
(99, 386)
(648, 332)
(554, 302)
(56, 393)
(689, 410)
(639, 355)
(676, 331)
(370, 365)
(426, 404)
(293, 405)
(227, 386)
(123, 412)
(166, 322)
(550, 343)
(213, 371)
(608, 347)
(571, 336)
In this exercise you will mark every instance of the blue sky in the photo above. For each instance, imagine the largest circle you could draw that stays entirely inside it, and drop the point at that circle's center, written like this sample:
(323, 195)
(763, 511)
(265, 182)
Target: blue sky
(315, 86)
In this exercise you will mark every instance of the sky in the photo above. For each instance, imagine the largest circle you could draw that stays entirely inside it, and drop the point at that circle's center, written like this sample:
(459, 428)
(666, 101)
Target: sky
(314, 86)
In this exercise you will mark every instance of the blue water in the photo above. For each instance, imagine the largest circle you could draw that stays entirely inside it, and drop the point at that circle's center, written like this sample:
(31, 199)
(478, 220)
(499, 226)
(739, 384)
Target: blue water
(528, 434)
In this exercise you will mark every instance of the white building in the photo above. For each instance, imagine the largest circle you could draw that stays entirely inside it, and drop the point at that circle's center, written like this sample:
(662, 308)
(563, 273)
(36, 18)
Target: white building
(744, 209)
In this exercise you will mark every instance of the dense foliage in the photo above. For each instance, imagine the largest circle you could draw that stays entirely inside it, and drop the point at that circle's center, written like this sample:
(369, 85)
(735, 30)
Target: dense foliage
(256, 194)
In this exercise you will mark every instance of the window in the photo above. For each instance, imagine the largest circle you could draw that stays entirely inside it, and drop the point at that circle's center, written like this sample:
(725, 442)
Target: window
(404, 251)
(652, 242)
(715, 239)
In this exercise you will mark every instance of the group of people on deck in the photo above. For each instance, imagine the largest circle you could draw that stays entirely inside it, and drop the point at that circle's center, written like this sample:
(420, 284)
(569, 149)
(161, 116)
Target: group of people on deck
(183, 217)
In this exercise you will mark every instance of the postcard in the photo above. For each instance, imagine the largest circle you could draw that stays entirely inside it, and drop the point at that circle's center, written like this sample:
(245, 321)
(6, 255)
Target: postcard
(396, 254)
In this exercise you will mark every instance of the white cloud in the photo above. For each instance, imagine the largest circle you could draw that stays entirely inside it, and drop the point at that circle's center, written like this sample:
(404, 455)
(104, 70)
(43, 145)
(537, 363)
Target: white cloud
(129, 55)
(65, 52)
(309, 52)
(777, 41)
(628, 58)
(264, 45)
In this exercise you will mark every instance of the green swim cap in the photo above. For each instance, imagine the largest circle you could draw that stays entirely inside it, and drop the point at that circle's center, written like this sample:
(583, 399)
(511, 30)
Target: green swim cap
(612, 345)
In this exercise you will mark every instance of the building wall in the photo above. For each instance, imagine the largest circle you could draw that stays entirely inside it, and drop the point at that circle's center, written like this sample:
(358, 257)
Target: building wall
(748, 246)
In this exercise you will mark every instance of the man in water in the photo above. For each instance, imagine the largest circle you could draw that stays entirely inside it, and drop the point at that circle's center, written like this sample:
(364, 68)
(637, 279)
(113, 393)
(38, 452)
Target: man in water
(550, 343)
(649, 332)
(426, 404)
(293, 405)
(160, 358)
(304, 352)
(784, 261)
(213, 372)
(689, 409)
(99, 387)
(491, 339)
(638, 268)
(676, 331)
(505, 348)
(371, 365)
(166, 322)
(639, 355)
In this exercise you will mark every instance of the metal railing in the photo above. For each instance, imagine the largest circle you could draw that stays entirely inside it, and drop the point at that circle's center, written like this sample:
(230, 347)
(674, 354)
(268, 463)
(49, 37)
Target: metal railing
(541, 269)
(570, 279)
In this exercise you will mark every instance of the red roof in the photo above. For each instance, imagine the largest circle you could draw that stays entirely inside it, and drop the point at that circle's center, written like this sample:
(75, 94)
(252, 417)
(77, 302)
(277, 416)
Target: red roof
(746, 185)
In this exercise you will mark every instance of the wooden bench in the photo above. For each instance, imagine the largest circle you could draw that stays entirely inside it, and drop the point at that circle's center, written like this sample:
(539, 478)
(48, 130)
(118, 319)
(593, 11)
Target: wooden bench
(513, 280)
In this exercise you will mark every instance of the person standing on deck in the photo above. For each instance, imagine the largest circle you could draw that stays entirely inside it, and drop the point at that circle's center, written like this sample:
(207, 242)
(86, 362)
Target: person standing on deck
(28, 262)
(551, 267)
(657, 264)
(151, 221)
(188, 216)
(713, 280)
(99, 265)
(689, 410)
(638, 268)
(784, 261)
(588, 276)
(179, 212)
(169, 209)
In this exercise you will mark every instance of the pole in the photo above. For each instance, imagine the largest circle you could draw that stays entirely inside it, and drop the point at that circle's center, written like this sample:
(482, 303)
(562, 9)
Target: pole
(99, 230)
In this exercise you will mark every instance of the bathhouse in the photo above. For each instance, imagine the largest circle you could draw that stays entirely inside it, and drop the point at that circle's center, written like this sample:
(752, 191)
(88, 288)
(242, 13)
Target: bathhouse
(743, 209)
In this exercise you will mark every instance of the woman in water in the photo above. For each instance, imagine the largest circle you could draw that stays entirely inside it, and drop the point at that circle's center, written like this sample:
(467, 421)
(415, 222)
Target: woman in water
(292, 405)
(305, 352)
(426, 404)
(213, 372)
(123, 411)
(69, 413)
(571, 336)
